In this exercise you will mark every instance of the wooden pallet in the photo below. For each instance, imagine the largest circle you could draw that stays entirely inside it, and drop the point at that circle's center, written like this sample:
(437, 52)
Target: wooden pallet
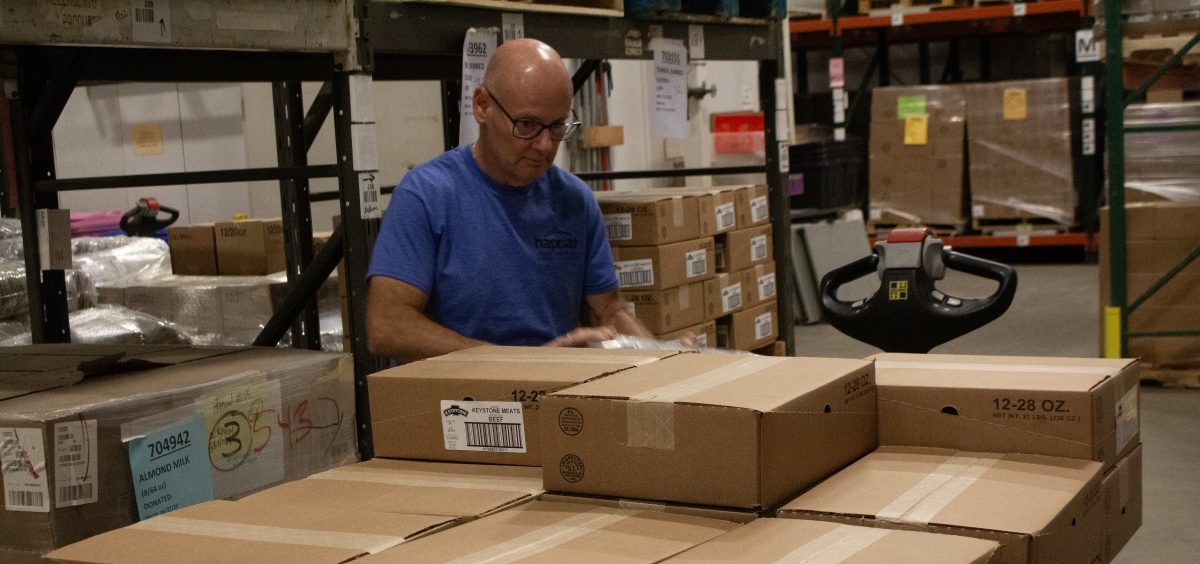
(1156, 49)
(1018, 225)
(1172, 377)
(867, 6)
(882, 228)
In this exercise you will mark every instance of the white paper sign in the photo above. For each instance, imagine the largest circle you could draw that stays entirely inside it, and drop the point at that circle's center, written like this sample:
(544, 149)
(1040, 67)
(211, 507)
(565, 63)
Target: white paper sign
(151, 21)
(513, 26)
(1086, 48)
(478, 46)
(668, 98)
(696, 42)
(1087, 94)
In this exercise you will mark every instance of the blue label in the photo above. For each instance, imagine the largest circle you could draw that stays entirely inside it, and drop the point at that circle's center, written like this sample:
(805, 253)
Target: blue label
(170, 468)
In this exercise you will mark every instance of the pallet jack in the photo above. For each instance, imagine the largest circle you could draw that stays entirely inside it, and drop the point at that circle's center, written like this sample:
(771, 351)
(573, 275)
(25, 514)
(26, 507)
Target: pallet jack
(143, 220)
(908, 313)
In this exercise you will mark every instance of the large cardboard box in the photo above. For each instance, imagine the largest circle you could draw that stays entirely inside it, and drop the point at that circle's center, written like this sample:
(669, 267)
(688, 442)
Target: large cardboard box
(1158, 237)
(706, 334)
(648, 218)
(760, 283)
(663, 311)
(1070, 407)
(760, 205)
(1040, 509)
(724, 294)
(193, 249)
(728, 206)
(664, 266)
(224, 531)
(1122, 488)
(250, 248)
(794, 540)
(240, 419)
(438, 408)
(750, 328)
(916, 151)
(1019, 142)
(711, 429)
(743, 248)
(562, 532)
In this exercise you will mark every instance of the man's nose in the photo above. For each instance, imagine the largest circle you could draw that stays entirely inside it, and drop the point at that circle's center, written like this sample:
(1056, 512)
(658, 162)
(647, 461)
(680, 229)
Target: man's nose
(543, 141)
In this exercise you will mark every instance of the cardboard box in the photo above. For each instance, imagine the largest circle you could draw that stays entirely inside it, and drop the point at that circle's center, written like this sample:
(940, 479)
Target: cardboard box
(744, 248)
(724, 294)
(193, 249)
(1040, 509)
(222, 531)
(213, 310)
(706, 334)
(1074, 408)
(647, 218)
(562, 532)
(250, 248)
(794, 540)
(728, 206)
(759, 202)
(710, 429)
(421, 409)
(1122, 487)
(663, 311)
(664, 266)
(724, 514)
(292, 412)
(750, 328)
(760, 283)
(599, 136)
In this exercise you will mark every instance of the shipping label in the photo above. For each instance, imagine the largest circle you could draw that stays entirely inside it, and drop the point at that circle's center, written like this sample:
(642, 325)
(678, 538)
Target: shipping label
(170, 468)
(725, 217)
(758, 248)
(76, 463)
(759, 210)
(766, 286)
(1127, 418)
(23, 467)
(763, 326)
(619, 225)
(731, 298)
(697, 263)
(488, 426)
(635, 273)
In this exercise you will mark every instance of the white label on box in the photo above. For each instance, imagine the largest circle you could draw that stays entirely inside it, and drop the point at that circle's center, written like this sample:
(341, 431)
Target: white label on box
(702, 340)
(368, 196)
(695, 42)
(23, 467)
(76, 463)
(634, 273)
(631, 309)
(1019, 9)
(759, 210)
(758, 248)
(977, 210)
(1127, 418)
(1087, 50)
(1088, 141)
(697, 263)
(151, 20)
(489, 426)
(1087, 94)
(512, 26)
(731, 298)
(725, 217)
(620, 226)
(766, 286)
(762, 326)
(245, 442)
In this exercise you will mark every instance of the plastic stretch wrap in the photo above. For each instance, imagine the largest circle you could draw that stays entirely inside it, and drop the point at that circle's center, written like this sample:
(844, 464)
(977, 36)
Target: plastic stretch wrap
(14, 297)
(1019, 135)
(120, 259)
(100, 325)
(11, 246)
(1163, 165)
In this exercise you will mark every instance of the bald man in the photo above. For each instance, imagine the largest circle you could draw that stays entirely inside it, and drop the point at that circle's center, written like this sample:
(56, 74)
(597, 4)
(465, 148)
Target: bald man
(492, 243)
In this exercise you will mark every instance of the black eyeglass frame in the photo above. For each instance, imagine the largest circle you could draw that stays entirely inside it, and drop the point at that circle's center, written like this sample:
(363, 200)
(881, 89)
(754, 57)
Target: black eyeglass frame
(570, 128)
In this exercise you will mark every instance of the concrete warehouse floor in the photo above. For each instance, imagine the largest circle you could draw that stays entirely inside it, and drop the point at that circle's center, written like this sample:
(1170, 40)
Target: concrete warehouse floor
(1055, 313)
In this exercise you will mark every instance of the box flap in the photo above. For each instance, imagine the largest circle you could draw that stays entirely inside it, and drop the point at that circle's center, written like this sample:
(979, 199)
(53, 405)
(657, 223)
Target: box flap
(995, 372)
(744, 381)
(948, 487)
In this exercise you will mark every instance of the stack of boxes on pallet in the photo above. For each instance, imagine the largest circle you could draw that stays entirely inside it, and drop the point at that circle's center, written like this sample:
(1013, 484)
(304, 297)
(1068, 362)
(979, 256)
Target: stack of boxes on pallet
(1017, 151)
(657, 455)
(698, 260)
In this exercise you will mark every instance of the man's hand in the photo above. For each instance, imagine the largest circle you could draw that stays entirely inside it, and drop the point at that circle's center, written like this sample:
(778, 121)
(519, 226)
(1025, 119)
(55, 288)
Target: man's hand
(582, 336)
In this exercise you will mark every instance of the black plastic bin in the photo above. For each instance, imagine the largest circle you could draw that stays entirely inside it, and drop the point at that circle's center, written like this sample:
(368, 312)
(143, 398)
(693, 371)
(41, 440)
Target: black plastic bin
(826, 175)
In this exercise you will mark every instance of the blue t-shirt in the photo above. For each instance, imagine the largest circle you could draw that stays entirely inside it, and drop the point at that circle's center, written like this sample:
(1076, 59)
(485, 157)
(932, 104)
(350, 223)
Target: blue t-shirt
(505, 265)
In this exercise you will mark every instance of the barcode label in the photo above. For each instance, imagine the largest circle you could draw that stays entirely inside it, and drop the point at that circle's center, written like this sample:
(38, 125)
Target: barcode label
(151, 21)
(731, 298)
(74, 493)
(18, 500)
(697, 263)
(725, 217)
(144, 13)
(23, 469)
(620, 226)
(634, 273)
(489, 426)
(758, 248)
(76, 463)
(763, 326)
(759, 211)
(766, 286)
(368, 196)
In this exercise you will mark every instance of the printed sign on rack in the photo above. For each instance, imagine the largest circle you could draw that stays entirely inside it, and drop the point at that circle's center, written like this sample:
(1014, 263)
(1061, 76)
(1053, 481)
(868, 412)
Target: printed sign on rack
(513, 26)
(478, 46)
(1086, 48)
(170, 468)
(668, 97)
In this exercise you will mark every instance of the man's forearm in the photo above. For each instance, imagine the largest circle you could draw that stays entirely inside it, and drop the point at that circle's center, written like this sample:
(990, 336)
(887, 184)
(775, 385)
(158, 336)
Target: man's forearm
(626, 324)
(411, 336)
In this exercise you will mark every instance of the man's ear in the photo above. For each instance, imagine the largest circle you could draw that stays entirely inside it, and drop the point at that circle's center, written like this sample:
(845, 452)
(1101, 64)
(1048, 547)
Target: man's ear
(480, 104)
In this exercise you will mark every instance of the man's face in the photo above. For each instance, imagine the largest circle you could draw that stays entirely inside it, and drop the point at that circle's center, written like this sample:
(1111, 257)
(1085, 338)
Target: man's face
(525, 160)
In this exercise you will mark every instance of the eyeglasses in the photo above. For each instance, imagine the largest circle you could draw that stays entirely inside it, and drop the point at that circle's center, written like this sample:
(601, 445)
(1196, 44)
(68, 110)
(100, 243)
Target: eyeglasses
(525, 128)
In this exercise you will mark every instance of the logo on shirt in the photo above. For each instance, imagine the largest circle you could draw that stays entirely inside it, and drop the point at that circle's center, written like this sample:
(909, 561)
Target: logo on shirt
(556, 243)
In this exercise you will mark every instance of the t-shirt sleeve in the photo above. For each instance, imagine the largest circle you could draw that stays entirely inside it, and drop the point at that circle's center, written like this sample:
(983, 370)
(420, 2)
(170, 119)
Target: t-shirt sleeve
(601, 276)
(406, 248)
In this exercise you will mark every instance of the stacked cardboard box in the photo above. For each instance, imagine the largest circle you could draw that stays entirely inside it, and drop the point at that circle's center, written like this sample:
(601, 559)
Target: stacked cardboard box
(1019, 135)
(1158, 237)
(95, 436)
(231, 248)
(916, 150)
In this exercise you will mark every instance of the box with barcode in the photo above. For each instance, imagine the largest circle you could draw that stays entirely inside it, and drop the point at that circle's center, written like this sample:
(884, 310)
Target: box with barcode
(479, 404)
(664, 266)
(648, 218)
(750, 328)
(721, 205)
(740, 431)
(724, 294)
(705, 333)
(758, 204)
(760, 283)
(663, 311)
(94, 437)
(744, 248)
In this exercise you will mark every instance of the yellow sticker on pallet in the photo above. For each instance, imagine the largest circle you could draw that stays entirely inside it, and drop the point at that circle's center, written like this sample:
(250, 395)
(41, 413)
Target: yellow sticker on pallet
(916, 130)
(1016, 104)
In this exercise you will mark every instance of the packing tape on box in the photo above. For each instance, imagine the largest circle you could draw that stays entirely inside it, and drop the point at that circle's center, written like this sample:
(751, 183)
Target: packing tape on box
(546, 538)
(542, 359)
(922, 502)
(639, 505)
(266, 533)
(1053, 213)
(487, 483)
(835, 546)
(650, 415)
(677, 211)
(982, 367)
(685, 298)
